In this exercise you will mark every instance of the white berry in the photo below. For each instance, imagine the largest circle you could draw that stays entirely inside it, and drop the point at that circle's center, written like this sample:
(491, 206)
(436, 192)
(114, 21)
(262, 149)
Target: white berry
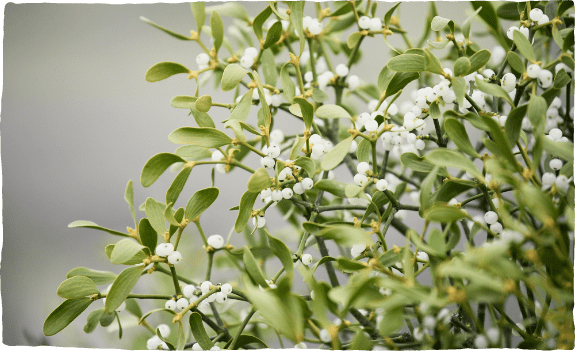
(171, 305)
(205, 287)
(164, 330)
(362, 167)
(202, 59)
(181, 304)
(381, 185)
(226, 288)
(247, 61)
(216, 241)
(481, 342)
(533, 71)
(556, 164)
(325, 336)
(508, 82)
(259, 221)
(307, 183)
(490, 217)
(364, 22)
(306, 259)
(189, 290)
(298, 188)
(221, 297)
(341, 70)
(175, 257)
(287, 193)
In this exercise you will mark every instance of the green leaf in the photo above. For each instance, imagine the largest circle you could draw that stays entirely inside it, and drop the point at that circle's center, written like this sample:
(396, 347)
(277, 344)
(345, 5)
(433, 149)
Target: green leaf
(259, 181)
(560, 149)
(242, 109)
(178, 185)
(164, 70)
(200, 201)
(156, 166)
(443, 213)
(434, 111)
(199, 332)
(384, 78)
(349, 266)
(536, 111)
(193, 152)
(76, 287)
(331, 186)
(426, 190)
(407, 63)
(333, 158)
(203, 103)
(206, 137)
(487, 13)
(274, 34)
(466, 26)
(199, 12)
(266, 114)
(438, 23)
(169, 214)
(344, 235)
(287, 83)
(479, 59)
(332, 112)
(457, 133)
(296, 147)
(155, 214)
(269, 67)
(283, 253)
(124, 250)
(508, 11)
(458, 86)
(64, 315)
(561, 79)
(165, 30)
(230, 9)
(92, 225)
(296, 17)
(129, 198)
(419, 164)
(388, 14)
(462, 67)
(246, 339)
(217, 26)
(399, 81)
(494, 90)
(259, 22)
(392, 321)
(363, 151)
(524, 46)
(513, 123)
(319, 95)
(233, 74)
(432, 63)
(93, 319)
(246, 205)
(307, 165)
(353, 39)
(414, 238)
(98, 277)
(202, 118)
(182, 101)
(453, 159)
(306, 110)
(122, 286)
(515, 62)
(253, 268)
(148, 235)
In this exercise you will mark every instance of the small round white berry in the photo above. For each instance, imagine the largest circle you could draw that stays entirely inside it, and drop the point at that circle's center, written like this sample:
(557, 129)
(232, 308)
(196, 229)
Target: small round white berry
(181, 304)
(555, 164)
(306, 259)
(197, 347)
(298, 188)
(508, 82)
(535, 14)
(216, 241)
(277, 195)
(353, 82)
(164, 330)
(490, 217)
(562, 183)
(189, 290)
(247, 61)
(325, 336)
(481, 342)
(362, 167)
(371, 125)
(273, 151)
(153, 343)
(419, 144)
(266, 193)
(341, 70)
(202, 59)
(221, 297)
(307, 183)
(170, 305)
(533, 71)
(375, 25)
(300, 345)
(545, 78)
(175, 257)
(357, 249)
(493, 335)
(429, 322)
(215, 348)
(548, 179)
(205, 287)
(360, 179)
(555, 134)
(364, 22)
(251, 51)
(423, 256)
(267, 162)
(381, 185)
(276, 100)
(287, 193)
(259, 221)
(277, 136)
(544, 19)
(226, 288)
(496, 227)
(211, 298)
(315, 27)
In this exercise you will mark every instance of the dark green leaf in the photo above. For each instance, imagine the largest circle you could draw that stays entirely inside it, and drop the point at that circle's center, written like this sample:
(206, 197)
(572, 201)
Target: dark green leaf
(156, 166)
(200, 201)
(199, 332)
(457, 133)
(274, 34)
(246, 205)
(515, 62)
(64, 315)
(122, 286)
(148, 235)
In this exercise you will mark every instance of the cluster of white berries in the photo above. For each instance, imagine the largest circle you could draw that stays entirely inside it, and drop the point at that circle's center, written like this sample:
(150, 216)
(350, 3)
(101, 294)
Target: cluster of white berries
(371, 24)
(553, 119)
(249, 57)
(272, 152)
(190, 296)
(491, 338)
(167, 250)
(538, 16)
(491, 218)
(155, 343)
(313, 25)
(319, 146)
(522, 30)
(561, 182)
(203, 61)
(121, 307)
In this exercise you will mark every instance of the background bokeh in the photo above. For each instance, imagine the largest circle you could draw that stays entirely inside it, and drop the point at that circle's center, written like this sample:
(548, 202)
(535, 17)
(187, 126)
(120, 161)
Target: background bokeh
(79, 121)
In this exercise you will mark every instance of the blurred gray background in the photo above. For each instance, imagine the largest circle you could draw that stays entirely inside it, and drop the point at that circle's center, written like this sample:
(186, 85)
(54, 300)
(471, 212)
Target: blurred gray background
(79, 121)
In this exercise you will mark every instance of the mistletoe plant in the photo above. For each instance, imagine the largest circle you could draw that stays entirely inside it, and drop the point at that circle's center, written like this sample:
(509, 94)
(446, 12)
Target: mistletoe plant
(481, 145)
